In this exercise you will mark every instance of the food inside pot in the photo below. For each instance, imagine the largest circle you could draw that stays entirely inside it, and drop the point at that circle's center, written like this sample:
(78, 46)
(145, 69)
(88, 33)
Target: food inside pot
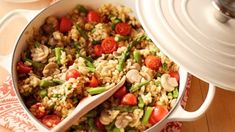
(84, 53)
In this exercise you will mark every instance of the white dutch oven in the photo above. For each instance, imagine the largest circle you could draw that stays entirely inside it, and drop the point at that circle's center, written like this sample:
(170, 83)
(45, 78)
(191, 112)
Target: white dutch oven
(36, 18)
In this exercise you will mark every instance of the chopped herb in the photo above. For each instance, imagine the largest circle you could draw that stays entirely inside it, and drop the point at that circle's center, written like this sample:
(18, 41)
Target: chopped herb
(169, 94)
(157, 83)
(36, 44)
(82, 9)
(164, 66)
(92, 125)
(110, 126)
(77, 45)
(94, 42)
(92, 113)
(175, 93)
(159, 74)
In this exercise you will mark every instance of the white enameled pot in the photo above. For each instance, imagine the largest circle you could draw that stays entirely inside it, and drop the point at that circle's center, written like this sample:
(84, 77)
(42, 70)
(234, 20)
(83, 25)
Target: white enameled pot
(36, 18)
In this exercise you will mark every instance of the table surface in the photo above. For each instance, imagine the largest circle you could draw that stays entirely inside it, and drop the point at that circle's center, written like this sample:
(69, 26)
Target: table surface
(220, 117)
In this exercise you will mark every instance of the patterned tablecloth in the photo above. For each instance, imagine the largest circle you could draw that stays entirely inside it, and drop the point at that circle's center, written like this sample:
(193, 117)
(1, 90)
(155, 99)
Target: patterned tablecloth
(13, 117)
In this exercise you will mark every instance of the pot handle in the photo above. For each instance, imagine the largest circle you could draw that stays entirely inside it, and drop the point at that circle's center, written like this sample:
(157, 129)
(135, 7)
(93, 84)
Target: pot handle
(5, 60)
(179, 114)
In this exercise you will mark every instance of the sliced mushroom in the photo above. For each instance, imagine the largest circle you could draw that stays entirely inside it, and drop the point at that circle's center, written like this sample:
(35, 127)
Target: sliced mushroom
(133, 76)
(137, 115)
(123, 120)
(168, 83)
(49, 69)
(107, 116)
(40, 54)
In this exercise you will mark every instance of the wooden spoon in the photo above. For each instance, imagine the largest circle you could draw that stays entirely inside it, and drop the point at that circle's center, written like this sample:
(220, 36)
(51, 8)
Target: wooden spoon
(85, 106)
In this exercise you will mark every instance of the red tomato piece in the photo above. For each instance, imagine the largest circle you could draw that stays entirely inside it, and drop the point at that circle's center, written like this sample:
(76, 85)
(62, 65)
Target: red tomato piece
(65, 24)
(94, 82)
(175, 75)
(123, 29)
(93, 16)
(158, 113)
(99, 125)
(38, 110)
(98, 50)
(129, 99)
(153, 62)
(109, 45)
(22, 68)
(51, 120)
(72, 73)
(121, 92)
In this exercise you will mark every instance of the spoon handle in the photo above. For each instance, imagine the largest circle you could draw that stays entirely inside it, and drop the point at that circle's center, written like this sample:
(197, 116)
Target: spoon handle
(85, 106)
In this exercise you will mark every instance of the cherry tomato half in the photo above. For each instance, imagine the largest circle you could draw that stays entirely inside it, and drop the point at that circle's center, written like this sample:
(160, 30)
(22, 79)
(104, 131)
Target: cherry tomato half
(93, 16)
(94, 82)
(51, 120)
(153, 62)
(72, 73)
(22, 68)
(109, 45)
(123, 29)
(99, 125)
(158, 113)
(98, 50)
(38, 110)
(121, 92)
(65, 24)
(129, 99)
(175, 75)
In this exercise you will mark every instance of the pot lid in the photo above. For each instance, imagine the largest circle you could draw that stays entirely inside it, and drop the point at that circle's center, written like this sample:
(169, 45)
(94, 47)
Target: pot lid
(196, 34)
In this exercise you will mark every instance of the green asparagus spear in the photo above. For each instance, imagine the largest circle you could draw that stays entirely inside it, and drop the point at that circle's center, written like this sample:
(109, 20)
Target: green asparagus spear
(147, 115)
(96, 90)
(175, 93)
(126, 53)
(119, 38)
(82, 32)
(58, 55)
(140, 102)
(46, 83)
(138, 86)
(35, 64)
(43, 93)
(137, 56)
